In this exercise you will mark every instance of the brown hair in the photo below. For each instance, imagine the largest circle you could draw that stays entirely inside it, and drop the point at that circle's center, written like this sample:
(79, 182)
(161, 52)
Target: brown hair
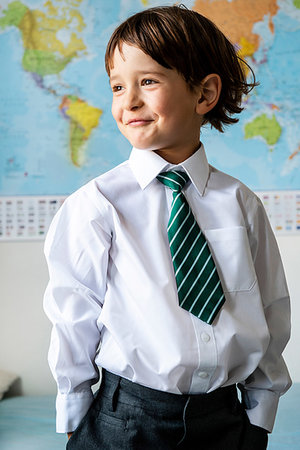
(184, 40)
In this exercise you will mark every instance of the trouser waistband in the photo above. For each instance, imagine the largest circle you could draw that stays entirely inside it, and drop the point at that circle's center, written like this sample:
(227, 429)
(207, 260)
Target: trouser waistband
(112, 385)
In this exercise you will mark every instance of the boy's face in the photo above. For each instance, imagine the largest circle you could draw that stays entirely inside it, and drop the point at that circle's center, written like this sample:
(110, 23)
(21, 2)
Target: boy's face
(153, 106)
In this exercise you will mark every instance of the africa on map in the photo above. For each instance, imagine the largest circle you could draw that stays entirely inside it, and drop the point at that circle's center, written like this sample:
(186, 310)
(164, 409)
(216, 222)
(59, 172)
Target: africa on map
(56, 128)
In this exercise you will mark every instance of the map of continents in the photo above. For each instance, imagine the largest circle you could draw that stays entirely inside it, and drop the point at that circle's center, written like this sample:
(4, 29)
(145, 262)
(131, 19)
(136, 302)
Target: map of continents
(55, 122)
(263, 150)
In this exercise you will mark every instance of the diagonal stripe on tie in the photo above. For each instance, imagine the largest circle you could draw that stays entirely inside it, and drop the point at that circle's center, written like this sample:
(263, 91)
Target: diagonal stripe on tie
(198, 283)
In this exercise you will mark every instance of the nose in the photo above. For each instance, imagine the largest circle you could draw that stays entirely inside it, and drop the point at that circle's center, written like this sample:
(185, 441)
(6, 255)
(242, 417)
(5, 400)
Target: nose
(132, 99)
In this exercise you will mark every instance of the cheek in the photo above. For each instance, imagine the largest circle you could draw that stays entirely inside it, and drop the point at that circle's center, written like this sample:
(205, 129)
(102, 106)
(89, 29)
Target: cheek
(160, 103)
(115, 110)
(163, 110)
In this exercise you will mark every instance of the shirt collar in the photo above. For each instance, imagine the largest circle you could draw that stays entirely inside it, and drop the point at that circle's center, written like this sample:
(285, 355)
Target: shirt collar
(146, 165)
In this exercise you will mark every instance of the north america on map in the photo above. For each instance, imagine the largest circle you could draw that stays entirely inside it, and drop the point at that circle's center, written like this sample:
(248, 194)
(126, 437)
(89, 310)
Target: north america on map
(56, 128)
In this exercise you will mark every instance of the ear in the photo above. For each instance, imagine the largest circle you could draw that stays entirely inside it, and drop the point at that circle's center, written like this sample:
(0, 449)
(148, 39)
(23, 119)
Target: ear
(209, 93)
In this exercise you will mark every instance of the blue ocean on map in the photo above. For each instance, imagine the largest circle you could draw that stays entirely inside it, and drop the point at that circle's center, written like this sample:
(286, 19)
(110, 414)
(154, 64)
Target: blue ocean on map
(36, 144)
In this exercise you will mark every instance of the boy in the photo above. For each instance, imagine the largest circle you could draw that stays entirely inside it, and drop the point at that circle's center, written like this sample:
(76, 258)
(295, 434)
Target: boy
(128, 294)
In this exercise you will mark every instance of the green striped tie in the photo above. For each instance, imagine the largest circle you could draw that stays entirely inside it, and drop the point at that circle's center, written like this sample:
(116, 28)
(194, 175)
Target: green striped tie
(198, 284)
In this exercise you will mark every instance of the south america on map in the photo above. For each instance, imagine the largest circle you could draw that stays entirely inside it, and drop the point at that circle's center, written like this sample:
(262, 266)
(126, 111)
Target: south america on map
(56, 128)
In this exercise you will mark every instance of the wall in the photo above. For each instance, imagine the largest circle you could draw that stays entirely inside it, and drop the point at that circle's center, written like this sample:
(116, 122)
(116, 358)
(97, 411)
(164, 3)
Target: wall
(290, 251)
(25, 330)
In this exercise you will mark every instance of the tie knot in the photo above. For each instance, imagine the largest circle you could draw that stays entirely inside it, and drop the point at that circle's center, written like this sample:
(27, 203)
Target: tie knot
(174, 179)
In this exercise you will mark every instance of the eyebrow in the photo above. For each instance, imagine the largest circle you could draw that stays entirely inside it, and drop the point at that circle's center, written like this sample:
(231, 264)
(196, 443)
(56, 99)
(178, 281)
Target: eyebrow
(142, 72)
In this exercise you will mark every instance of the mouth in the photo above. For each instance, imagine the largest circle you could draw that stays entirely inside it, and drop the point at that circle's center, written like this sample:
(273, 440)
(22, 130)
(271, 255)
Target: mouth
(138, 122)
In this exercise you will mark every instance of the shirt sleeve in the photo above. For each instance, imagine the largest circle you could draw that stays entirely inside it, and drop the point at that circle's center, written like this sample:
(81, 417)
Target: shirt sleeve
(76, 250)
(261, 391)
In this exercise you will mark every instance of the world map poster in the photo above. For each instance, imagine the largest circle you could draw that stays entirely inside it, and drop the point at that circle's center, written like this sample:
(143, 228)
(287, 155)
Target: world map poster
(56, 127)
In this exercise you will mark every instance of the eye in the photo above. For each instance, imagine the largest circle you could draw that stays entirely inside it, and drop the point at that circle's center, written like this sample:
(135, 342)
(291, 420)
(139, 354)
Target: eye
(116, 88)
(147, 82)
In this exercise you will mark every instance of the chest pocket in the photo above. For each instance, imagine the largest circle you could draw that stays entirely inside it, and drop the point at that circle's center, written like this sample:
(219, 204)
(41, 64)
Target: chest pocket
(231, 252)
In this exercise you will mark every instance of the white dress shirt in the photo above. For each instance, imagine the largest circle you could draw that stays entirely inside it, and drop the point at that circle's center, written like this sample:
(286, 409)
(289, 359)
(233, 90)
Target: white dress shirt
(113, 301)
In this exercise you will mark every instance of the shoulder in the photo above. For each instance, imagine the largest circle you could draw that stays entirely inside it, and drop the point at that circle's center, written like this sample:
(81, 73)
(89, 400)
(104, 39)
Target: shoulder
(92, 203)
(94, 194)
(233, 188)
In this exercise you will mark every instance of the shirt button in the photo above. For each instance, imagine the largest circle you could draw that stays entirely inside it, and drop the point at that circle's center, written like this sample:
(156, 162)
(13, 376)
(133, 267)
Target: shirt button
(203, 374)
(205, 337)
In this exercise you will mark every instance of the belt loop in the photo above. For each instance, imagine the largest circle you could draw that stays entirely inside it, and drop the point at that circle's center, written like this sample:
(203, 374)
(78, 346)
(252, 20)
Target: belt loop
(115, 392)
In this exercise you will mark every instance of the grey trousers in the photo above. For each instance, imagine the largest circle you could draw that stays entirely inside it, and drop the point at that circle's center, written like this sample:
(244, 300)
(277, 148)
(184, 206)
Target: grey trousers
(128, 416)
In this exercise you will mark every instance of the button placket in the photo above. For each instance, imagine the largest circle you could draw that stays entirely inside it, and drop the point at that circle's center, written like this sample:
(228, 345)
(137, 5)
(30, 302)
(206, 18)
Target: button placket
(207, 356)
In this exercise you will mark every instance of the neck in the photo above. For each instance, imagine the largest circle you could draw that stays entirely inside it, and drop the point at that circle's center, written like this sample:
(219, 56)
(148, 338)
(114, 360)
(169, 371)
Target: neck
(177, 157)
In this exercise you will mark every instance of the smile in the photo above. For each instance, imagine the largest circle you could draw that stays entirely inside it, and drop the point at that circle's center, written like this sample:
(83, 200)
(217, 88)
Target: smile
(138, 122)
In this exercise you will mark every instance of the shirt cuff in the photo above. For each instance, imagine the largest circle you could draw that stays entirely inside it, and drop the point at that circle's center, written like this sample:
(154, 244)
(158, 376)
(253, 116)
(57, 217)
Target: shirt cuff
(261, 407)
(70, 410)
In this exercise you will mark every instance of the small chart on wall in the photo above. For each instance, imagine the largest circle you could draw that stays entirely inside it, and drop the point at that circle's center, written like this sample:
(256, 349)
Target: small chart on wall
(56, 128)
